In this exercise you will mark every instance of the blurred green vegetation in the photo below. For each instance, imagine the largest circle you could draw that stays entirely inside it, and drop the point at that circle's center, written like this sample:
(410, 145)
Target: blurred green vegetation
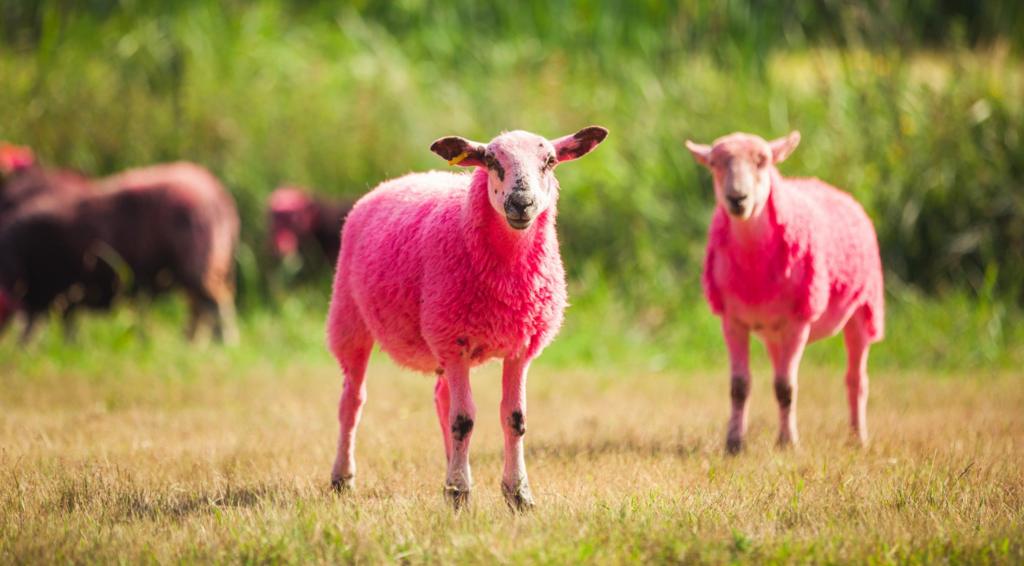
(917, 108)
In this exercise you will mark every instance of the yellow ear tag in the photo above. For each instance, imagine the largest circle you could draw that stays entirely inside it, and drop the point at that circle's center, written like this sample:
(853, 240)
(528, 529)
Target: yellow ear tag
(458, 158)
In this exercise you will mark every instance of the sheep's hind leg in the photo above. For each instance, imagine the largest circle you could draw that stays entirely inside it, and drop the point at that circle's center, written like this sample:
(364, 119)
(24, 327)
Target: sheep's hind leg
(28, 330)
(857, 345)
(197, 313)
(461, 417)
(514, 484)
(351, 344)
(737, 339)
(786, 352)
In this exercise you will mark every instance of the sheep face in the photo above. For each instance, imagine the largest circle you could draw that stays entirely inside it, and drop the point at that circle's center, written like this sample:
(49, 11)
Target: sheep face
(291, 218)
(520, 166)
(743, 166)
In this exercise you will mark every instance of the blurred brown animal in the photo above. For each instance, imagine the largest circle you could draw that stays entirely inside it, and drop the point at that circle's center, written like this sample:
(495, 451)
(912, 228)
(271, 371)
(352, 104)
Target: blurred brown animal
(301, 223)
(144, 231)
(24, 182)
(24, 185)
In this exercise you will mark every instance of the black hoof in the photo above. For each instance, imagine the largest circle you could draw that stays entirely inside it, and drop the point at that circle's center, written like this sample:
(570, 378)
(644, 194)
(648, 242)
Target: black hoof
(457, 497)
(519, 500)
(786, 444)
(343, 485)
(733, 446)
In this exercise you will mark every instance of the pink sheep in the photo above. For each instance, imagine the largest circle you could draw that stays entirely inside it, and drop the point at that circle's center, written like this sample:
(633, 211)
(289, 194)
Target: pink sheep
(793, 260)
(446, 271)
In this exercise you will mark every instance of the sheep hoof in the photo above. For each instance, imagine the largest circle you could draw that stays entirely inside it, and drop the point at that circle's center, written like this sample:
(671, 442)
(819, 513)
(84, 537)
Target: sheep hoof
(343, 484)
(787, 443)
(457, 496)
(733, 446)
(519, 498)
(859, 439)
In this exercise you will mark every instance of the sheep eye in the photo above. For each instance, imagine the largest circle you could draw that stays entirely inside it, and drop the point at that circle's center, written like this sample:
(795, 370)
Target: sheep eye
(550, 162)
(489, 161)
(761, 161)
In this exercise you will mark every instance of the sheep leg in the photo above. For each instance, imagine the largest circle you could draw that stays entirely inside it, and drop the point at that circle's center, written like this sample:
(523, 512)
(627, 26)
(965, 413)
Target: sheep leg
(857, 346)
(785, 352)
(461, 416)
(196, 313)
(442, 402)
(737, 340)
(5, 319)
(28, 331)
(70, 326)
(514, 484)
(227, 325)
(351, 344)
(350, 409)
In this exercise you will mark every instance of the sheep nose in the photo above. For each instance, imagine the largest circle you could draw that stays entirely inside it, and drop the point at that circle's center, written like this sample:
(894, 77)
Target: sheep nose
(517, 204)
(736, 200)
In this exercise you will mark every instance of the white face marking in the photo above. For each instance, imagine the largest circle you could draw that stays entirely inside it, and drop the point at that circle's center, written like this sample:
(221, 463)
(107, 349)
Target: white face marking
(521, 177)
(742, 172)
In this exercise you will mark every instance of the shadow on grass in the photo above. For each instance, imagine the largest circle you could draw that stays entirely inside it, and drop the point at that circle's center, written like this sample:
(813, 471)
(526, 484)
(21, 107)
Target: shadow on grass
(133, 503)
(597, 447)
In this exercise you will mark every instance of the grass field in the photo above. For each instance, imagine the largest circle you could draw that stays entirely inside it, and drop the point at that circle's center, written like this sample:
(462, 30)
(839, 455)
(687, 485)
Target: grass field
(130, 445)
(224, 464)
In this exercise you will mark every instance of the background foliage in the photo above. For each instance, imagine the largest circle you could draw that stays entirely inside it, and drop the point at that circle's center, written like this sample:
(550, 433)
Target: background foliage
(917, 108)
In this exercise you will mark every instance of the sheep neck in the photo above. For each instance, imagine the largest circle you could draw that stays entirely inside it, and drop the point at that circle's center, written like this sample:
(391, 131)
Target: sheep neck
(490, 232)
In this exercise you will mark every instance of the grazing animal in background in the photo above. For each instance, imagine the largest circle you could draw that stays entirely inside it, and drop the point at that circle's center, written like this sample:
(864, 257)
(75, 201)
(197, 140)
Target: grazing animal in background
(794, 261)
(25, 183)
(146, 230)
(446, 271)
(301, 222)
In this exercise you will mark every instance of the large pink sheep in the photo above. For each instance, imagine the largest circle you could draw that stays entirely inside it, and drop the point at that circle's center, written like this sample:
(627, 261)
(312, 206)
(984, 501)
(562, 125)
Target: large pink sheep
(446, 271)
(793, 260)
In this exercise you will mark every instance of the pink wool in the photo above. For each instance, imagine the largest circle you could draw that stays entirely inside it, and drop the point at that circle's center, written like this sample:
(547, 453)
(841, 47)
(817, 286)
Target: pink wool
(435, 273)
(446, 271)
(819, 263)
(790, 261)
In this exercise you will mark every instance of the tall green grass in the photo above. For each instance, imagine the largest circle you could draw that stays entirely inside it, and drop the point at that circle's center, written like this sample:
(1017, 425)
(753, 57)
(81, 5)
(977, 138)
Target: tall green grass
(916, 108)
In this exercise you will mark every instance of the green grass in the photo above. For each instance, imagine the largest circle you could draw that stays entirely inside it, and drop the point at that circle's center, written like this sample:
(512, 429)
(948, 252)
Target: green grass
(916, 110)
(952, 335)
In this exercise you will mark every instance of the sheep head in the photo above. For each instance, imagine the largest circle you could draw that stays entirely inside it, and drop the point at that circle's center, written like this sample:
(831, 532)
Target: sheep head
(520, 165)
(742, 166)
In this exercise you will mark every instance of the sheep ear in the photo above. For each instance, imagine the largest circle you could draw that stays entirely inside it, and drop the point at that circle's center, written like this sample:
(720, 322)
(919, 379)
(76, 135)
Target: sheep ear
(579, 144)
(701, 153)
(459, 151)
(782, 147)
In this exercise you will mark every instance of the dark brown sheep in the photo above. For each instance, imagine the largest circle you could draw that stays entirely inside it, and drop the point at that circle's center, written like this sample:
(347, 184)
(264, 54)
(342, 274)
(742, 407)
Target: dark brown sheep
(146, 230)
(24, 183)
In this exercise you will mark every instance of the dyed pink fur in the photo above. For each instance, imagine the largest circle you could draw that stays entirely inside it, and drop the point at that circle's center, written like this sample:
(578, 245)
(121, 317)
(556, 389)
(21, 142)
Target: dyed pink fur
(446, 271)
(792, 260)
(447, 278)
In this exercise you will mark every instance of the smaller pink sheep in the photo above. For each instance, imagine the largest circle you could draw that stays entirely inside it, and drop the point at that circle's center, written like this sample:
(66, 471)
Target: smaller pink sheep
(793, 260)
(446, 271)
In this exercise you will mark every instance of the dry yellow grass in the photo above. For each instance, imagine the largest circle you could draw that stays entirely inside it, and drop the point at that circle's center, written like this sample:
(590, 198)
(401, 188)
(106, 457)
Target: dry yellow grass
(625, 467)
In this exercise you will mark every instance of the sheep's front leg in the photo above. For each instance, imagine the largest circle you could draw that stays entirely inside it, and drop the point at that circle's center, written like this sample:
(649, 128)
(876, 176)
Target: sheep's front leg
(737, 340)
(786, 349)
(442, 402)
(461, 417)
(514, 484)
